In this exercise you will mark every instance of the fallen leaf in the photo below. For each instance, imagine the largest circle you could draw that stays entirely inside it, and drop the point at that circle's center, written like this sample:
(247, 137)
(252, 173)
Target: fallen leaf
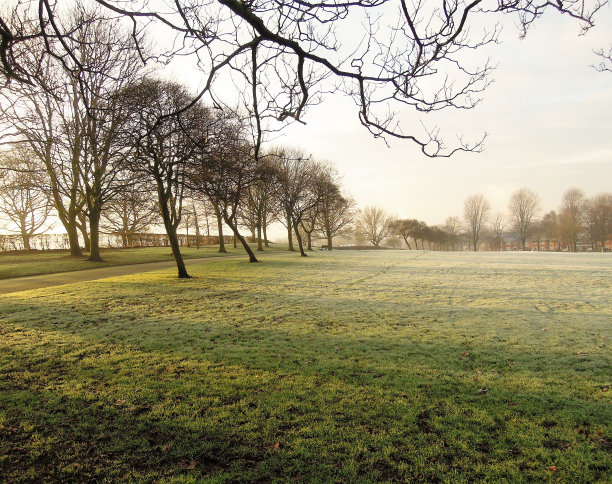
(274, 446)
(119, 403)
(552, 468)
(403, 395)
(465, 353)
(166, 448)
(483, 390)
(187, 467)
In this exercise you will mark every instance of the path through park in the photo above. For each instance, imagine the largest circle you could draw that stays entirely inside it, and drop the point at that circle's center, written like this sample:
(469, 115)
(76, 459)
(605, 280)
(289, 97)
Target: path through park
(46, 280)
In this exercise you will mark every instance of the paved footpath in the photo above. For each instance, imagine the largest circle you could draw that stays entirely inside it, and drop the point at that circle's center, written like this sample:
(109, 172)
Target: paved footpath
(47, 280)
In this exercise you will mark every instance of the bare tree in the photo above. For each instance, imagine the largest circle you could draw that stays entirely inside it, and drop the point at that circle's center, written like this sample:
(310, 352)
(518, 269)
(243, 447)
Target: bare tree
(452, 225)
(71, 117)
(325, 189)
(406, 228)
(160, 140)
(45, 116)
(498, 226)
(131, 211)
(338, 214)
(296, 177)
(286, 55)
(439, 237)
(475, 211)
(374, 224)
(258, 202)
(599, 218)
(22, 200)
(572, 215)
(309, 223)
(224, 170)
(337, 209)
(550, 230)
(524, 205)
(108, 64)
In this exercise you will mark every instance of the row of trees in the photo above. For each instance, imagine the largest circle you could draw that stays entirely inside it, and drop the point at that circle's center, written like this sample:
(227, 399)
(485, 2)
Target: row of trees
(96, 139)
(579, 219)
(375, 226)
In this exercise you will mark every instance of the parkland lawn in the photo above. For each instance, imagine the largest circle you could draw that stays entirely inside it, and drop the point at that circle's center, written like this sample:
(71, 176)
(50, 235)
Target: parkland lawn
(346, 366)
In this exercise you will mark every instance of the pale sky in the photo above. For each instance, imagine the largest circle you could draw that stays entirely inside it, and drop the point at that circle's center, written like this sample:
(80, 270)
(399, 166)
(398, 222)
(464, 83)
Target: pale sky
(548, 115)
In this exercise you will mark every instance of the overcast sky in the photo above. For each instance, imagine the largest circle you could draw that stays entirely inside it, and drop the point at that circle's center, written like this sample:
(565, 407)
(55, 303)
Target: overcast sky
(548, 116)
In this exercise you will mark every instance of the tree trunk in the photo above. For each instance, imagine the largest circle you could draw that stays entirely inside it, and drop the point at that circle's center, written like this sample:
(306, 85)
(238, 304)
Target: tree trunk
(237, 235)
(290, 237)
(289, 231)
(264, 227)
(86, 239)
(94, 228)
(220, 229)
(299, 238)
(26, 240)
(328, 236)
(309, 240)
(259, 241)
(73, 241)
(197, 226)
(82, 225)
(171, 233)
(176, 250)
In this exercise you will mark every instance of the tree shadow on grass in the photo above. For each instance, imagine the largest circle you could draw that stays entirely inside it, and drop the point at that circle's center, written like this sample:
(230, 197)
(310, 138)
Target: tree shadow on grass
(80, 402)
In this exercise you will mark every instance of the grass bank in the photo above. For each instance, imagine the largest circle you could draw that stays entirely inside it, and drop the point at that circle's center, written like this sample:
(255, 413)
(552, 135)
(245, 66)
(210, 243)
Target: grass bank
(345, 367)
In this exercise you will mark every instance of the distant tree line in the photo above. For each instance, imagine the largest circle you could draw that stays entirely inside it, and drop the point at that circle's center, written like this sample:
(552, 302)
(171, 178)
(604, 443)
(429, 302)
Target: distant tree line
(581, 223)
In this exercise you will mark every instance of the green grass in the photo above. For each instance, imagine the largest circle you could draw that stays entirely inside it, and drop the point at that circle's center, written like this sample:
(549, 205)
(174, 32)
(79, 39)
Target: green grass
(35, 263)
(343, 367)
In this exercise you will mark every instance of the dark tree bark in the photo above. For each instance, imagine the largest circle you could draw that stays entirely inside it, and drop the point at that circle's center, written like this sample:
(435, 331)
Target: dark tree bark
(231, 222)
(222, 248)
(298, 237)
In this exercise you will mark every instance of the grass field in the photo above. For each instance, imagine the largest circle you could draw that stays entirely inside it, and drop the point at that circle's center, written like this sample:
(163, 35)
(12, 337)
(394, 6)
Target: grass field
(344, 367)
(20, 265)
